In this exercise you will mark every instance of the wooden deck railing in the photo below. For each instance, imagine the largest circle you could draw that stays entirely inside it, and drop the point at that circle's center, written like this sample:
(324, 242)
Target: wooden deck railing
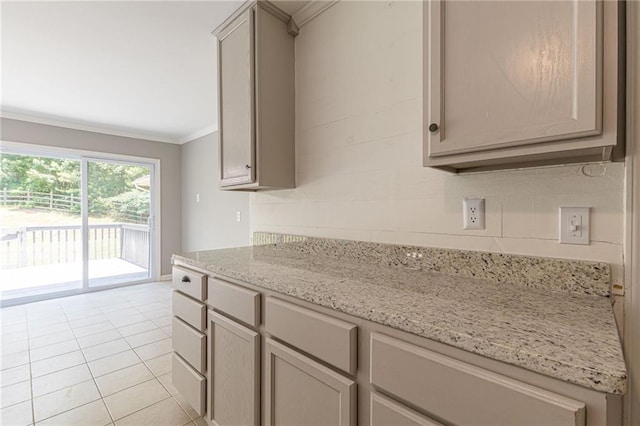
(46, 245)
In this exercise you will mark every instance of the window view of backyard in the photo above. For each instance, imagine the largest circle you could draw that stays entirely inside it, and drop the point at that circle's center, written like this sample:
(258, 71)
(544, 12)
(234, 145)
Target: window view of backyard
(41, 233)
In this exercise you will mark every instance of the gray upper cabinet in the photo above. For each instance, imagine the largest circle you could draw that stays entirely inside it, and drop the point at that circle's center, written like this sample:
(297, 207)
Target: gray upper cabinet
(538, 84)
(256, 99)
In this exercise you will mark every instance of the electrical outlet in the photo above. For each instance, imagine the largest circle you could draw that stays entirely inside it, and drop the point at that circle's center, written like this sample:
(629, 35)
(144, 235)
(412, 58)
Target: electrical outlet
(238, 216)
(473, 213)
(197, 198)
(574, 225)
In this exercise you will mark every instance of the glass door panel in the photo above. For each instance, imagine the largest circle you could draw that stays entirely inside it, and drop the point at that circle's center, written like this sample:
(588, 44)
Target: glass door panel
(40, 226)
(119, 206)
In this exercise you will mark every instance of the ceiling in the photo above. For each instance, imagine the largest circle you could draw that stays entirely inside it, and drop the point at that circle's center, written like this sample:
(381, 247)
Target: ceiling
(135, 68)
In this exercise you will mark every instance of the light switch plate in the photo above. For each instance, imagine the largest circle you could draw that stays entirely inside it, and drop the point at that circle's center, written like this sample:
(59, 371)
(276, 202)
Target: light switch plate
(574, 225)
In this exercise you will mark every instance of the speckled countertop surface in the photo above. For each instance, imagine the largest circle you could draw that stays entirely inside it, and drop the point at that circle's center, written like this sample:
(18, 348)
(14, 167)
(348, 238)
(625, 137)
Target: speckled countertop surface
(569, 336)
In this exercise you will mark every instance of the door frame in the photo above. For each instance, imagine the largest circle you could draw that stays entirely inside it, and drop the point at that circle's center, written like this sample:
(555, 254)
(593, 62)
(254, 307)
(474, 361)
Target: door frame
(84, 156)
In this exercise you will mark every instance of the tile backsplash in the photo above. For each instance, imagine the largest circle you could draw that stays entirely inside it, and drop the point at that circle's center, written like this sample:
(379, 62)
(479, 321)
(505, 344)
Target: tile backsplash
(359, 156)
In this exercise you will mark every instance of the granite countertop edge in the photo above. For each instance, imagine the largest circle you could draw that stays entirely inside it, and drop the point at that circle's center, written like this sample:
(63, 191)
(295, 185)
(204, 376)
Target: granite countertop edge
(602, 381)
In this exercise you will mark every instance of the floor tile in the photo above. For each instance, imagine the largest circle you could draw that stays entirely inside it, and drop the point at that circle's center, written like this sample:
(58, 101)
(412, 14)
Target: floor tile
(72, 316)
(60, 380)
(130, 400)
(151, 307)
(186, 407)
(168, 329)
(167, 382)
(92, 414)
(111, 363)
(129, 330)
(105, 349)
(48, 329)
(96, 339)
(14, 360)
(14, 375)
(15, 393)
(36, 323)
(56, 363)
(15, 347)
(50, 339)
(17, 415)
(200, 421)
(54, 350)
(160, 365)
(163, 321)
(83, 322)
(116, 307)
(7, 339)
(123, 379)
(119, 321)
(164, 413)
(154, 350)
(158, 313)
(14, 328)
(93, 329)
(146, 337)
(63, 400)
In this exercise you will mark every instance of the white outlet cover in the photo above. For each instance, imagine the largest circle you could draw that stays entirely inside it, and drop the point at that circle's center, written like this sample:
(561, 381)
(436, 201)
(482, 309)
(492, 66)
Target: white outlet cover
(473, 213)
(574, 225)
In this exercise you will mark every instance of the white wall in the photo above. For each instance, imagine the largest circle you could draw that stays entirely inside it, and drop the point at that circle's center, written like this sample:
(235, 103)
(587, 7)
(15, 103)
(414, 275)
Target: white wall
(359, 145)
(211, 223)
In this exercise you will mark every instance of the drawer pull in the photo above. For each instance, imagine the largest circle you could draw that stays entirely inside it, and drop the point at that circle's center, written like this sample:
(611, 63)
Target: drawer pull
(186, 279)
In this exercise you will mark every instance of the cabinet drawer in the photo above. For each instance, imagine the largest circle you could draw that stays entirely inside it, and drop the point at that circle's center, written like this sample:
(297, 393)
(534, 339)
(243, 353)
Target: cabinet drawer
(189, 383)
(329, 339)
(190, 311)
(240, 303)
(189, 282)
(461, 393)
(190, 344)
(385, 411)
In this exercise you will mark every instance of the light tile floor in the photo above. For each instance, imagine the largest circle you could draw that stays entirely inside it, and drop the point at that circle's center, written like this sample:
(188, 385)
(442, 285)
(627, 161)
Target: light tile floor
(100, 358)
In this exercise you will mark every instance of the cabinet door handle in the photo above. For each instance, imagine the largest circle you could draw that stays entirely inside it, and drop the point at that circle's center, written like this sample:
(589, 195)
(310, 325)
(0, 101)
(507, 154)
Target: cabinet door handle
(186, 279)
(246, 166)
(433, 127)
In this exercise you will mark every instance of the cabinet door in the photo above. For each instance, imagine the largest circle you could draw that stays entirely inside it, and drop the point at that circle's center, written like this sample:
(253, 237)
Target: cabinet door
(234, 366)
(236, 101)
(512, 73)
(301, 391)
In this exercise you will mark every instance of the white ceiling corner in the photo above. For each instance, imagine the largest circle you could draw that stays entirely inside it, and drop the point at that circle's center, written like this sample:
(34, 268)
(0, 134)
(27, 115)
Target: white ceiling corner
(138, 69)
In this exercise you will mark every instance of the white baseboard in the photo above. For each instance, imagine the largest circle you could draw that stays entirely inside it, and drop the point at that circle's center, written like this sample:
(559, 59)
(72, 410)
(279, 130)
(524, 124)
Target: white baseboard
(165, 277)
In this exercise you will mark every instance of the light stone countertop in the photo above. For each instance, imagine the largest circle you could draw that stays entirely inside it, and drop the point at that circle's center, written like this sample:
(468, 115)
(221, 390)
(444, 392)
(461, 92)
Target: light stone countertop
(568, 336)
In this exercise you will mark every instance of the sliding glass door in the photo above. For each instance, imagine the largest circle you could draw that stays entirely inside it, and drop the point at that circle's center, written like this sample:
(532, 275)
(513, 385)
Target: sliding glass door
(119, 205)
(70, 224)
(40, 225)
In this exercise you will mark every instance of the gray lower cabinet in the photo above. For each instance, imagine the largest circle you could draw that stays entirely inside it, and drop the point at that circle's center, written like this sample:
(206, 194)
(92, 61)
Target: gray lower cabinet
(189, 336)
(385, 412)
(234, 366)
(301, 391)
(460, 393)
(287, 363)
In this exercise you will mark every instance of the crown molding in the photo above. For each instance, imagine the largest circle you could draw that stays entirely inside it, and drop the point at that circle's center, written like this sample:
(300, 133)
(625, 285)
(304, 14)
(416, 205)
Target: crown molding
(198, 134)
(87, 127)
(312, 10)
